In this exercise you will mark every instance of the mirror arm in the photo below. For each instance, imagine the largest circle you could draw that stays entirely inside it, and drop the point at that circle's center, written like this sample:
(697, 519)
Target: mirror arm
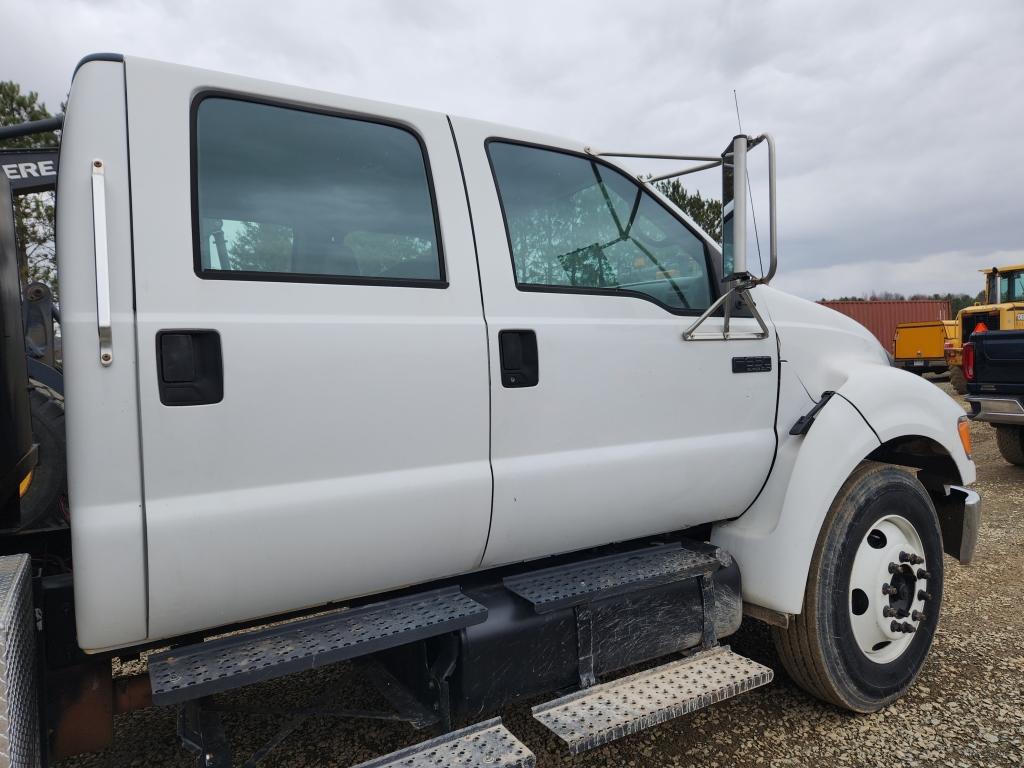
(773, 260)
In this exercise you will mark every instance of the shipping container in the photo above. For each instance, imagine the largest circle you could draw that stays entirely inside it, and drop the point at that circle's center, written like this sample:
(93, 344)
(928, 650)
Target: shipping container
(882, 317)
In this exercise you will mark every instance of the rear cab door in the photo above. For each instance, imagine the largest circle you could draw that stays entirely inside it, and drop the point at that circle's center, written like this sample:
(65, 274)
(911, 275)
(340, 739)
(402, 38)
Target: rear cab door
(312, 357)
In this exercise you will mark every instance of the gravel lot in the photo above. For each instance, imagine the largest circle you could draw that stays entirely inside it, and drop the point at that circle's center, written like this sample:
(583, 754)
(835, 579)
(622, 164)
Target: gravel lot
(967, 708)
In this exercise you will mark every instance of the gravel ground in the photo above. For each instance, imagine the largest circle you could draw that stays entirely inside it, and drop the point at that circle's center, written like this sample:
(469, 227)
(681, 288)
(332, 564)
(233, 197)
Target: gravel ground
(967, 708)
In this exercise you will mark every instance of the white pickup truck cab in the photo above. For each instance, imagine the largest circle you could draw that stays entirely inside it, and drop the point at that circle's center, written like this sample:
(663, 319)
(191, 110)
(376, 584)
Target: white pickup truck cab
(320, 350)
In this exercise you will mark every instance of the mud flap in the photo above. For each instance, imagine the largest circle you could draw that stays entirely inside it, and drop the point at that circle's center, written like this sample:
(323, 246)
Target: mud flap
(959, 512)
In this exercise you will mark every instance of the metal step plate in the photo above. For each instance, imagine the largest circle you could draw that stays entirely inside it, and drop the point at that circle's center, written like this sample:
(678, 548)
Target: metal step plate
(485, 745)
(263, 654)
(19, 716)
(598, 715)
(551, 589)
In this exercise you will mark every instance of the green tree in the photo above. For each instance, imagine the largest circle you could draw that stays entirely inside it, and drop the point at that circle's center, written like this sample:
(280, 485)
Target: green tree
(33, 213)
(707, 212)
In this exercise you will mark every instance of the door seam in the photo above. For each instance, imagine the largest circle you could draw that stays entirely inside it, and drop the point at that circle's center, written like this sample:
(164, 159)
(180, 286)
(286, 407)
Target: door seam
(487, 338)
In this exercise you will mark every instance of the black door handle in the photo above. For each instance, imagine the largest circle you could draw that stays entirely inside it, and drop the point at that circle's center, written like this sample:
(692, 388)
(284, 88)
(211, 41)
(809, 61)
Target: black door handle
(190, 369)
(518, 352)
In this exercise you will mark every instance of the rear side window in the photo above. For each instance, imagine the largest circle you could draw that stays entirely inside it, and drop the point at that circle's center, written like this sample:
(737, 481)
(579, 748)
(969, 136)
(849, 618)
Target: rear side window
(287, 194)
(577, 225)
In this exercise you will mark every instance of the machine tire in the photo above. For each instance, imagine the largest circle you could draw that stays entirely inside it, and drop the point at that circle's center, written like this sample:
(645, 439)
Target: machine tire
(818, 648)
(1011, 443)
(45, 503)
(957, 379)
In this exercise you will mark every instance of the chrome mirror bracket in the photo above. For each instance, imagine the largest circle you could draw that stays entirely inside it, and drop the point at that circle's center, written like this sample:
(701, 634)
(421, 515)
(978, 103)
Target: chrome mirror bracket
(742, 292)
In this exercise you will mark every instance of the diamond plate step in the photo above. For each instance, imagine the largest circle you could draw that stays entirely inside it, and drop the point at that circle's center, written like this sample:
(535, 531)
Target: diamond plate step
(231, 662)
(563, 586)
(603, 713)
(485, 745)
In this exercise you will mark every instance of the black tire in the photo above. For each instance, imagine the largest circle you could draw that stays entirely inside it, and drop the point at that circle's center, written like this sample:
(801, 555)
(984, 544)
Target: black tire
(45, 504)
(818, 648)
(957, 379)
(1011, 443)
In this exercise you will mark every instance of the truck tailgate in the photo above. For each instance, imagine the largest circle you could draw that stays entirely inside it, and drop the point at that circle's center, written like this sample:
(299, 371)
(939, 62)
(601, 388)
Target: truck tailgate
(999, 361)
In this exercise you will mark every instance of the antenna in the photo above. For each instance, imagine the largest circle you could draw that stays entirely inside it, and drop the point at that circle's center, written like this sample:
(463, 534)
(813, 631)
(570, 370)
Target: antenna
(750, 193)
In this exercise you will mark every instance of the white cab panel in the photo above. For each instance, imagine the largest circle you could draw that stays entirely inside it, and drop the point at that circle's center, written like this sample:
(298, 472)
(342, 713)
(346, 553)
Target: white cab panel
(631, 430)
(104, 480)
(349, 452)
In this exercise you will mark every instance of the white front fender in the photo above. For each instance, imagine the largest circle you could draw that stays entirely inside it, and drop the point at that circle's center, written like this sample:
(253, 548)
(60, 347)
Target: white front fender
(897, 403)
(774, 540)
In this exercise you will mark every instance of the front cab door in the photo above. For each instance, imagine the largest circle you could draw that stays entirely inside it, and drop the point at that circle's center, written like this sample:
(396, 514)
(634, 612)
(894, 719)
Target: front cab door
(620, 428)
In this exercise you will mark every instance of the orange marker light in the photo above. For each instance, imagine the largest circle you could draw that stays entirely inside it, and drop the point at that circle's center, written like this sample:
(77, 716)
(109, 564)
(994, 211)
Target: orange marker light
(963, 426)
(24, 484)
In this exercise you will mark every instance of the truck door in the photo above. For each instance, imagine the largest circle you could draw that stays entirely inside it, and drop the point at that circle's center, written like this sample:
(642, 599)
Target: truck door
(607, 425)
(311, 347)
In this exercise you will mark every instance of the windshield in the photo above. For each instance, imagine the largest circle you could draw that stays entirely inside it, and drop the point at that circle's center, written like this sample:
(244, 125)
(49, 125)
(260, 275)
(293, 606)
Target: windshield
(1011, 286)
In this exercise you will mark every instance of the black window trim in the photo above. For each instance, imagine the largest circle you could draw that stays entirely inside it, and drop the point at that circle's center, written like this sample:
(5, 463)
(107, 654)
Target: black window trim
(712, 273)
(303, 277)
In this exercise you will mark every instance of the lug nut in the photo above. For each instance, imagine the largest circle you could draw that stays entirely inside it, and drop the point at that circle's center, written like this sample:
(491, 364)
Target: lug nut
(889, 589)
(923, 574)
(894, 568)
(922, 595)
(917, 616)
(908, 628)
(888, 612)
(895, 626)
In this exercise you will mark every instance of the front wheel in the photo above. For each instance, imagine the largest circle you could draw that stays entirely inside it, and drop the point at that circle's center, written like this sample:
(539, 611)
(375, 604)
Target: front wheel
(873, 593)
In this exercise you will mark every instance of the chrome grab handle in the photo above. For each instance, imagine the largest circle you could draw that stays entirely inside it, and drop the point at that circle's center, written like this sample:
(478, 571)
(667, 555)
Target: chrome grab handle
(99, 234)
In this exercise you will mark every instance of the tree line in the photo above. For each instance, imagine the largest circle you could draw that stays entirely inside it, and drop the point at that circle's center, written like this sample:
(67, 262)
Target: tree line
(957, 301)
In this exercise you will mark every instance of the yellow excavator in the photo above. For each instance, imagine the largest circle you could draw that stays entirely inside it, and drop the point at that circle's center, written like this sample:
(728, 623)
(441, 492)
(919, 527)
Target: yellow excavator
(1003, 310)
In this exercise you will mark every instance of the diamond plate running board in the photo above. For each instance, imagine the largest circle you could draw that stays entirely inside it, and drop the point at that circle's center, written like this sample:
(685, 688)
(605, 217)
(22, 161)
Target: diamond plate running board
(250, 657)
(565, 586)
(19, 716)
(595, 716)
(485, 745)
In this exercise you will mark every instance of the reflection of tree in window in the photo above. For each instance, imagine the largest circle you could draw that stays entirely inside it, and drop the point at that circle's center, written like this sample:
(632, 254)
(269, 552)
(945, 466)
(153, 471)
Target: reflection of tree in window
(575, 223)
(260, 247)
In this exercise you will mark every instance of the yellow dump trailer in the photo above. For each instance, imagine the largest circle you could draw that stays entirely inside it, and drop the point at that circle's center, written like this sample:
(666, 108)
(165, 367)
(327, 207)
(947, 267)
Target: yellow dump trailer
(920, 347)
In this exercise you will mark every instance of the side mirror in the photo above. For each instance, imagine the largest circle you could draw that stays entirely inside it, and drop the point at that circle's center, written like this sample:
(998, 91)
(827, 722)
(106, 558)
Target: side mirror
(734, 210)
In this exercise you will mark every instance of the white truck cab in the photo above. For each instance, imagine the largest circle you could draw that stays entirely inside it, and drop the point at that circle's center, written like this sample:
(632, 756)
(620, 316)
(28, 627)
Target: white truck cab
(323, 350)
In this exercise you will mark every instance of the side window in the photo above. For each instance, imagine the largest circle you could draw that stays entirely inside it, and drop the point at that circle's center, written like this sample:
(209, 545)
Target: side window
(286, 194)
(577, 224)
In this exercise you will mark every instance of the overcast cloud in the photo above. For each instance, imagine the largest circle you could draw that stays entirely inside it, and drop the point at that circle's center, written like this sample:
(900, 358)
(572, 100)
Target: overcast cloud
(897, 123)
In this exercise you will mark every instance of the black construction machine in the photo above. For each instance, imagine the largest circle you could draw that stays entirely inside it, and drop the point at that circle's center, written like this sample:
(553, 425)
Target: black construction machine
(33, 487)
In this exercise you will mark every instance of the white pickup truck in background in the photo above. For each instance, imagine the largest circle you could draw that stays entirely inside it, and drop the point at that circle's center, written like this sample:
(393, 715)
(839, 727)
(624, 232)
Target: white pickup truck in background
(474, 403)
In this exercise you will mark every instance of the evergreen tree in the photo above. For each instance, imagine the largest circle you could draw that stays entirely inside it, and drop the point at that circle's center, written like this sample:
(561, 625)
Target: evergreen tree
(33, 213)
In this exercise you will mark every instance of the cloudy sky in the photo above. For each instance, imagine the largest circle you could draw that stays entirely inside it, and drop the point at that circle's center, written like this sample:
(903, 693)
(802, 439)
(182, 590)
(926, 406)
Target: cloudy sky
(901, 163)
